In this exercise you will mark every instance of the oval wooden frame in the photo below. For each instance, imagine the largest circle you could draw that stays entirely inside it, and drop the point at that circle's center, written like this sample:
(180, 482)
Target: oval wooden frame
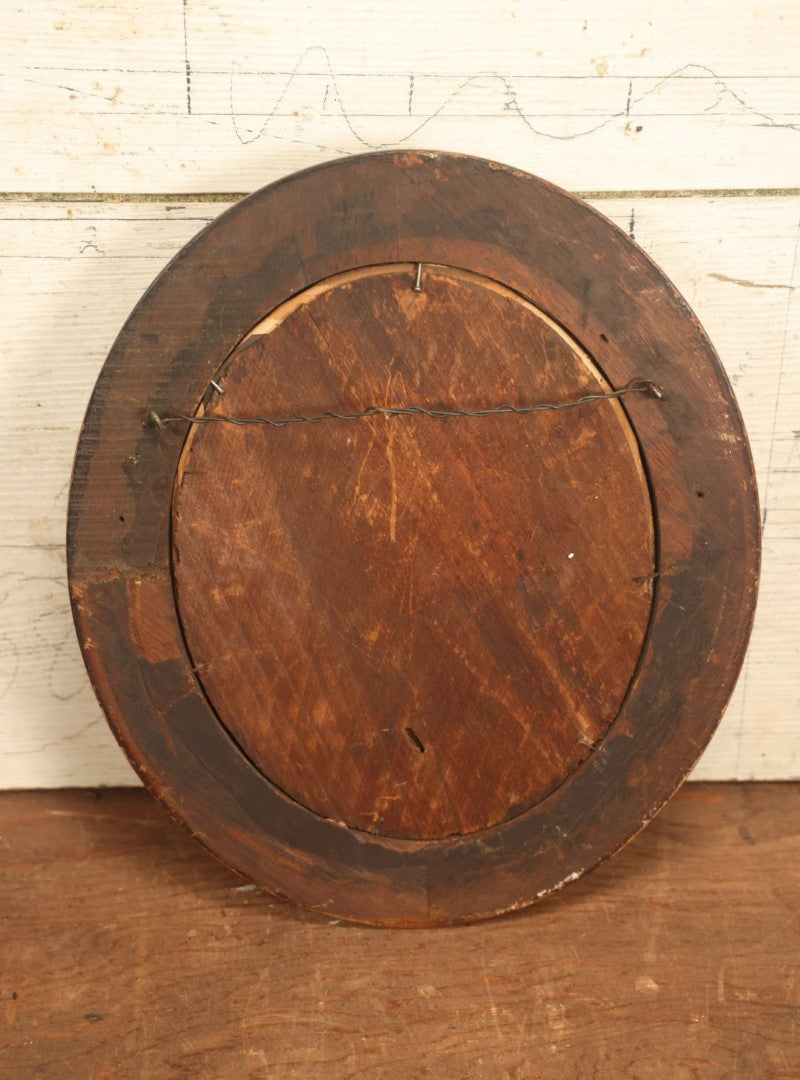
(594, 281)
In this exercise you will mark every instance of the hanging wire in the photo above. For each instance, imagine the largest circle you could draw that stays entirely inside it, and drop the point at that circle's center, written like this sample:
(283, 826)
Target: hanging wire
(638, 386)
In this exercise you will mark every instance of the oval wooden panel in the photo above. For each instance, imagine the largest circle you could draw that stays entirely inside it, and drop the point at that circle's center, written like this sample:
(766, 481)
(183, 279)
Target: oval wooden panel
(416, 627)
(409, 670)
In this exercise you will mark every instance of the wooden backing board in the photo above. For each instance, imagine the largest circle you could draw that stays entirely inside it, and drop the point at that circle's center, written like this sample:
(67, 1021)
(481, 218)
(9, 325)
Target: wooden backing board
(458, 850)
(394, 627)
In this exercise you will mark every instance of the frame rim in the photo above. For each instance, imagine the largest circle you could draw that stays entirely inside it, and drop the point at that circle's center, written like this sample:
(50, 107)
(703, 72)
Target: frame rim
(120, 580)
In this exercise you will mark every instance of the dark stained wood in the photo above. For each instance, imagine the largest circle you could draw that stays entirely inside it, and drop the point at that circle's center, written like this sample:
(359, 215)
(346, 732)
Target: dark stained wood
(126, 953)
(417, 627)
(590, 279)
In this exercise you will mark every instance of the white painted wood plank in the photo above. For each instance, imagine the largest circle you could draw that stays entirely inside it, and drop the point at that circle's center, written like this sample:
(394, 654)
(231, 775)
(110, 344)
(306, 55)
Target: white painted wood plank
(69, 275)
(220, 96)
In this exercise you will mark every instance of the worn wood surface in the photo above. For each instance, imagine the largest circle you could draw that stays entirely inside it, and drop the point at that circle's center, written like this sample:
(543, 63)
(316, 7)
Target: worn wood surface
(127, 953)
(592, 281)
(209, 96)
(418, 627)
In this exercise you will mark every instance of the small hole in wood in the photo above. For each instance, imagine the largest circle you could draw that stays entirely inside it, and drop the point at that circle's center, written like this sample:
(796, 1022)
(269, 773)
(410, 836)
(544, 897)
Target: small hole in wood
(415, 739)
(700, 494)
(604, 338)
(122, 518)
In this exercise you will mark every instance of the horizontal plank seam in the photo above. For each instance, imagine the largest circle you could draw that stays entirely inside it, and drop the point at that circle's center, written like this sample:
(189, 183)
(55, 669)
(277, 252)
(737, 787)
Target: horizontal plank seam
(233, 196)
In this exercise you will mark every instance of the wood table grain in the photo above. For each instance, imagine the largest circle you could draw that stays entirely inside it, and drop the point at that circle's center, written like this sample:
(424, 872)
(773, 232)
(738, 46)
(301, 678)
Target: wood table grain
(128, 952)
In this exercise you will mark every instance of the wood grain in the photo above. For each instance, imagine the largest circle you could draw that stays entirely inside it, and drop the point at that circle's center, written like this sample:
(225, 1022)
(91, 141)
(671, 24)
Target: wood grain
(127, 953)
(394, 627)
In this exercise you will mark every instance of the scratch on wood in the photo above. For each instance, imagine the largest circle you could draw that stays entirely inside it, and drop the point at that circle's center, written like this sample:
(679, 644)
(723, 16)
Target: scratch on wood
(747, 284)
(187, 64)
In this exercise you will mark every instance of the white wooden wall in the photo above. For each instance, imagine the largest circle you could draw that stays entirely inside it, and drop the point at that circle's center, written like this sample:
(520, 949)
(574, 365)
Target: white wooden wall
(127, 126)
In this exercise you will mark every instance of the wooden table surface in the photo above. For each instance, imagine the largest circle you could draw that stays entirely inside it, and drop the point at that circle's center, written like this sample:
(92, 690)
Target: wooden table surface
(127, 951)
